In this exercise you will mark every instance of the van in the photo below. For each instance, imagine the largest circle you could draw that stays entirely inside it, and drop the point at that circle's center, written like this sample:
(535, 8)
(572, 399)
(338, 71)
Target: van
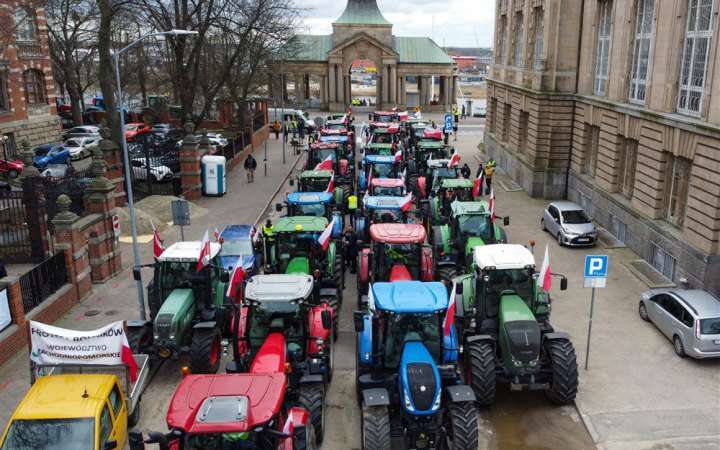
(297, 114)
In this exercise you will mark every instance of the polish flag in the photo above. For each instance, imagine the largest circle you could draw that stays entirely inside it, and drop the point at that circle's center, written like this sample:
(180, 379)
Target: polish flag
(204, 257)
(326, 164)
(331, 184)
(158, 247)
(216, 234)
(324, 238)
(236, 279)
(398, 156)
(289, 426)
(449, 319)
(544, 281)
(407, 202)
(491, 203)
(478, 184)
(454, 159)
(126, 355)
(370, 177)
(403, 175)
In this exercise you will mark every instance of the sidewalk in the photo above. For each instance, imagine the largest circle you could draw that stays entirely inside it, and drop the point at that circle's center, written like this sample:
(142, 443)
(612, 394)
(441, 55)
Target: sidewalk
(117, 299)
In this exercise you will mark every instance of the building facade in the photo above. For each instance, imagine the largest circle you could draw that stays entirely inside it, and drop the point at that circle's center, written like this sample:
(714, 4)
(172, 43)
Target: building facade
(613, 104)
(27, 89)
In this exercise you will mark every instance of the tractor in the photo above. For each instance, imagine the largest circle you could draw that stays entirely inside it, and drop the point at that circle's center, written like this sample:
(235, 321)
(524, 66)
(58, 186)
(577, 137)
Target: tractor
(380, 166)
(388, 187)
(385, 135)
(314, 181)
(185, 308)
(445, 192)
(504, 324)
(469, 225)
(378, 118)
(317, 204)
(407, 376)
(396, 252)
(341, 137)
(376, 148)
(382, 209)
(437, 170)
(324, 156)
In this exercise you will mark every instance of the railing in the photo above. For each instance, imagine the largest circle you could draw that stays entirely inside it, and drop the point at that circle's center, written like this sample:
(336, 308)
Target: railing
(43, 281)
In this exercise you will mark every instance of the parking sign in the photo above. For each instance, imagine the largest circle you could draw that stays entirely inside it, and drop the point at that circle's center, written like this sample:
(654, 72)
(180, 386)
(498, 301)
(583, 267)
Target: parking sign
(448, 123)
(596, 268)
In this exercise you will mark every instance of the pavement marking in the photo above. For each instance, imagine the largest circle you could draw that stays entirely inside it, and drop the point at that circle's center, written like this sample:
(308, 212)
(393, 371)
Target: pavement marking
(142, 239)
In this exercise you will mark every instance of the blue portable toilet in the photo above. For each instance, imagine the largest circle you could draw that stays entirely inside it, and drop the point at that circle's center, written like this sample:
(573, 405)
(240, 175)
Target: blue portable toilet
(213, 175)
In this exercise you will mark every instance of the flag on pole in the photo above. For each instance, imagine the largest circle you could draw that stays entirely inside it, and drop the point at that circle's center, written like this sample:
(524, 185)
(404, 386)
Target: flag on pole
(204, 257)
(331, 184)
(216, 234)
(478, 184)
(370, 177)
(491, 203)
(158, 247)
(326, 164)
(236, 279)
(406, 204)
(454, 159)
(398, 156)
(449, 319)
(544, 281)
(324, 238)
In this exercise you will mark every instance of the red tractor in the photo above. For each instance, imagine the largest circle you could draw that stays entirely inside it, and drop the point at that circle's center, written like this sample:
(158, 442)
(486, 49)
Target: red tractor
(397, 252)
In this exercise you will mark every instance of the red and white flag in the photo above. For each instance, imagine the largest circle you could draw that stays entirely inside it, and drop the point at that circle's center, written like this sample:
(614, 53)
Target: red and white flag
(544, 281)
(204, 257)
(398, 156)
(491, 203)
(454, 159)
(324, 238)
(325, 164)
(331, 184)
(407, 203)
(370, 177)
(158, 247)
(403, 175)
(216, 234)
(478, 184)
(449, 319)
(236, 279)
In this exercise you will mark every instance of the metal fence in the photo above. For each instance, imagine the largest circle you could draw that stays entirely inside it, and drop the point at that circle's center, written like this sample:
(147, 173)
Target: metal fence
(73, 184)
(43, 281)
(22, 219)
(154, 166)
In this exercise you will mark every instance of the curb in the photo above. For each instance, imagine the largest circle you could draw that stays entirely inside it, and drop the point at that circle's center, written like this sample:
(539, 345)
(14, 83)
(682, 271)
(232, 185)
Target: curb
(589, 427)
(280, 186)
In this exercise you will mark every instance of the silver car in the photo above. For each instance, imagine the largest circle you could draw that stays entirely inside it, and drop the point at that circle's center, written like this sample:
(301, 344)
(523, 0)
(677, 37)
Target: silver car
(689, 318)
(569, 224)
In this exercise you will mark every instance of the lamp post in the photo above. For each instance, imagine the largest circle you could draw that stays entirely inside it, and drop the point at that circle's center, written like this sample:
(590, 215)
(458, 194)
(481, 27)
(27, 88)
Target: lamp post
(126, 159)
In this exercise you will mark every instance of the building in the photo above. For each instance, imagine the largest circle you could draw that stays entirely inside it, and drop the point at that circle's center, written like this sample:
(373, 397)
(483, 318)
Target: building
(27, 90)
(466, 63)
(362, 33)
(614, 105)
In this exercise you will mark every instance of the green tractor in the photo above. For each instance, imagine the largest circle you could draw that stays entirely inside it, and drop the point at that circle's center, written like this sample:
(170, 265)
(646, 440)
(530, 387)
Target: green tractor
(504, 322)
(185, 308)
(445, 192)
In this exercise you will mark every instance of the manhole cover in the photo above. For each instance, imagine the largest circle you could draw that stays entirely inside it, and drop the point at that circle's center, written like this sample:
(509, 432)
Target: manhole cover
(91, 313)
(112, 312)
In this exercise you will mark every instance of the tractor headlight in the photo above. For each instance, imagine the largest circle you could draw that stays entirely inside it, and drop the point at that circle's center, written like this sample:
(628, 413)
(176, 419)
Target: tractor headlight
(156, 336)
(436, 403)
(320, 342)
(473, 323)
(408, 404)
(516, 363)
(172, 336)
(533, 362)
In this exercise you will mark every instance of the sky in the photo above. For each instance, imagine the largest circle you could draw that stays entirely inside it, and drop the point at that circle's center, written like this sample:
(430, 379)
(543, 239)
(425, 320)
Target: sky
(452, 23)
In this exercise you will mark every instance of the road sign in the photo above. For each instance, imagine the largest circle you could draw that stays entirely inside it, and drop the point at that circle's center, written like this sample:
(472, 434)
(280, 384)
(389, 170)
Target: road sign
(448, 123)
(116, 225)
(596, 269)
(180, 212)
(596, 266)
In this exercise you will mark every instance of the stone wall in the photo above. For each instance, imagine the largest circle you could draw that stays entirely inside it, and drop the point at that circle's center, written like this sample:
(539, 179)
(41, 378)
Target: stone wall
(40, 130)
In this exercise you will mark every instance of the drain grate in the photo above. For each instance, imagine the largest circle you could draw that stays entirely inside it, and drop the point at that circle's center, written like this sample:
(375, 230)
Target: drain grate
(91, 313)
(111, 312)
(648, 275)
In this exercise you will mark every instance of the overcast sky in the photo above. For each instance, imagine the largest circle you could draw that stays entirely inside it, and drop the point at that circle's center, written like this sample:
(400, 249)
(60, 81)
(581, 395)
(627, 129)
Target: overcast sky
(461, 23)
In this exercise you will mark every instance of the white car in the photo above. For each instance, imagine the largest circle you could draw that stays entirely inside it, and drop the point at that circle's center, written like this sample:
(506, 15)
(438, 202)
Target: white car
(55, 171)
(217, 139)
(157, 172)
(80, 147)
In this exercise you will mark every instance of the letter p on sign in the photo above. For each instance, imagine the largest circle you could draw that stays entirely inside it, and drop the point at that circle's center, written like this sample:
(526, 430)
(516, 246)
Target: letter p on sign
(596, 266)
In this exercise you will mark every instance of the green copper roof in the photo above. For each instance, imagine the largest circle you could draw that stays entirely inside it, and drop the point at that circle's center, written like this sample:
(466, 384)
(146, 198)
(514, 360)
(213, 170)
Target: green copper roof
(310, 224)
(420, 50)
(308, 47)
(364, 12)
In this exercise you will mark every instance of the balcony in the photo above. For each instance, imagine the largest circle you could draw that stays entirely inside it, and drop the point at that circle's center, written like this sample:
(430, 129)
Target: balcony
(29, 50)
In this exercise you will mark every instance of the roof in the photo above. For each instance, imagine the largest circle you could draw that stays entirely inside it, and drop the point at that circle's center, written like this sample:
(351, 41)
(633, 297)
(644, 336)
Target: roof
(316, 174)
(237, 232)
(279, 287)
(383, 202)
(420, 50)
(61, 396)
(188, 251)
(430, 144)
(453, 183)
(567, 206)
(389, 129)
(410, 296)
(324, 145)
(308, 47)
(379, 145)
(397, 233)
(334, 137)
(503, 256)
(464, 208)
(387, 182)
(309, 198)
(434, 163)
(704, 302)
(380, 159)
(309, 224)
(364, 12)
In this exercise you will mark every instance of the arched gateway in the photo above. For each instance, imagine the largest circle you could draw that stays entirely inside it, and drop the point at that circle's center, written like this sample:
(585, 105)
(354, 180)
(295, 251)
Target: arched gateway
(362, 33)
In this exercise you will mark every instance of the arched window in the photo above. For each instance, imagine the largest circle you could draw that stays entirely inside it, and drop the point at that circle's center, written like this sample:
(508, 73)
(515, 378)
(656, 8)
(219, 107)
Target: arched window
(34, 81)
(25, 25)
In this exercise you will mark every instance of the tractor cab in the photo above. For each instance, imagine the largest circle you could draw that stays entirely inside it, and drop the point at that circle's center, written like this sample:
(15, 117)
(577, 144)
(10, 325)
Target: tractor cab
(338, 125)
(445, 192)
(294, 246)
(330, 156)
(385, 135)
(313, 180)
(377, 166)
(382, 209)
(375, 148)
(317, 204)
(425, 150)
(387, 187)
(340, 137)
(407, 375)
(429, 180)
(383, 117)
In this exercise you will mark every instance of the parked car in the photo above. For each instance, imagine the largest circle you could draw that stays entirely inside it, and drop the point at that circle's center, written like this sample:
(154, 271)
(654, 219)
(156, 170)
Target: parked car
(689, 318)
(479, 108)
(170, 159)
(56, 170)
(217, 139)
(83, 131)
(11, 168)
(42, 150)
(81, 147)
(300, 116)
(57, 155)
(568, 222)
(133, 130)
(157, 171)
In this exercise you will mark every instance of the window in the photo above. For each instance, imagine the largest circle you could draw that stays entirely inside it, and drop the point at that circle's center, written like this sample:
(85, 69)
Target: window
(106, 425)
(592, 139)
(518, 57)
(9, 146)
(115, 400)
(501, 55)
(506, 123)
(539, 14)
(34, 82)
(641, 50)
(25, 25)
(696, 50)
(602, 56)
(4, 95)
(628, 164)
(679, 175)
(617, 228)
(662, 261)
(586, 202)
(523, 131)
(686, 318)
(493, 115)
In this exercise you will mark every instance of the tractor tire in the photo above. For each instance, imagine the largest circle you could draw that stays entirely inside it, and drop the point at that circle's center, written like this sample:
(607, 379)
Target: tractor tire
(205, 351)
(463, 426)
(134, 418)
(481, 365)
(339, 276)
(445, 274)
(564, 383)
(375, 428)
(312, 398)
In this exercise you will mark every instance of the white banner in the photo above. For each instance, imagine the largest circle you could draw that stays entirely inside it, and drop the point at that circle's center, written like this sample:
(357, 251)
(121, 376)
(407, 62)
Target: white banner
(54, 345)
(5, 316)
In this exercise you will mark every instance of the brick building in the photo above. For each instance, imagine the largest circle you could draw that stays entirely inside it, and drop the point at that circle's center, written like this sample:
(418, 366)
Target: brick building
(614, 105)
(27, 90)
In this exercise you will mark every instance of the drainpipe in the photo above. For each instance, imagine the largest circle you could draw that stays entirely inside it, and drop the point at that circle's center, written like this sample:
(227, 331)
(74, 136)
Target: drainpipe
(577, 84)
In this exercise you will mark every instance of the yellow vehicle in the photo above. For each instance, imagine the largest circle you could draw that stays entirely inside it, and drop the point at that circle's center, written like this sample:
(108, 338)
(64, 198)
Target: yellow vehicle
(83, 411)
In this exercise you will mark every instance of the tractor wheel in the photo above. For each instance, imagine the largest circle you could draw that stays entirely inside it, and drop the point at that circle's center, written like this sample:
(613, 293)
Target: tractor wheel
(564, 383)
(134, 418)
(482, 371)
(339, 275)
(312, 398)
(463, 426)
(205, 351)
(446, 274)
(375, 428)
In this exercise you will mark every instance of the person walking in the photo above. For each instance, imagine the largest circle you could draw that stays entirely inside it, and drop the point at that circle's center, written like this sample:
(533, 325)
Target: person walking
(351, 249)
(456, 113)
(455, 130)
(301, 131)
(352, 204)
(250, 165)
(276, 128)
(465, 171)
(294, 127)
(489, 171)
(462, 114)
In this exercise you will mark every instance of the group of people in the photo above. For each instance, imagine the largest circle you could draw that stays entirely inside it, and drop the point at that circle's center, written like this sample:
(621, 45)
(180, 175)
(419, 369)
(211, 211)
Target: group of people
(287, 127)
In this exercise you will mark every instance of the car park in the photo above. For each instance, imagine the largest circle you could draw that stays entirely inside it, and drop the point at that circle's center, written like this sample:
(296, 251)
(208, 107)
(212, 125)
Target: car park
(569, 224)
(157, 171)
(80, 147)
(689, 318)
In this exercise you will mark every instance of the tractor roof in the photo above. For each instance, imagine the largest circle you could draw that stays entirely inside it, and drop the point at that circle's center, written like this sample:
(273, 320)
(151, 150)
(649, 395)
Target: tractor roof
(308, 224)
(455, 183)
(408, 297)
(430, 144)
(232, 232)
(61, 396)
(379, 145)
(316, 174)
(397, 233)
(188, 251)
(279, 287)
(384, 113)
(380, 159)
(432, 133)
(309, 198)
(334, 122)
(436, 163)
(323, 145)
(225, 403)
(387, 182)
(390, 129)
(383, 202)
(333, 138)
(468, 208)
(503, 256)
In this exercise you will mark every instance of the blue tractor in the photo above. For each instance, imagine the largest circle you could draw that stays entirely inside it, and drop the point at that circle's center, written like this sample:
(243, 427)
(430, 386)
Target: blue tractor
(381, 209)
(240, 245)
(407, 370)
(317, 204)
(381, 166)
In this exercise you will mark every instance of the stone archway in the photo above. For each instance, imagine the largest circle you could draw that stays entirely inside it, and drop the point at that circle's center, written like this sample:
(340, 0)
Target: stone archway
(362, 49)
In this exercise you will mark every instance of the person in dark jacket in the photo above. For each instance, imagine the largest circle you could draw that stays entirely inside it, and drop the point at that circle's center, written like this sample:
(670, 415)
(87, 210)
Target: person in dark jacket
(351, 249)
(250, 165)
(465, 171)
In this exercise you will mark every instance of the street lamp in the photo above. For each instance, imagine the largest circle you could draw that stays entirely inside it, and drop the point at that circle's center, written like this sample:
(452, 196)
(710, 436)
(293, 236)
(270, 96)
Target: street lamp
(126, 159)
